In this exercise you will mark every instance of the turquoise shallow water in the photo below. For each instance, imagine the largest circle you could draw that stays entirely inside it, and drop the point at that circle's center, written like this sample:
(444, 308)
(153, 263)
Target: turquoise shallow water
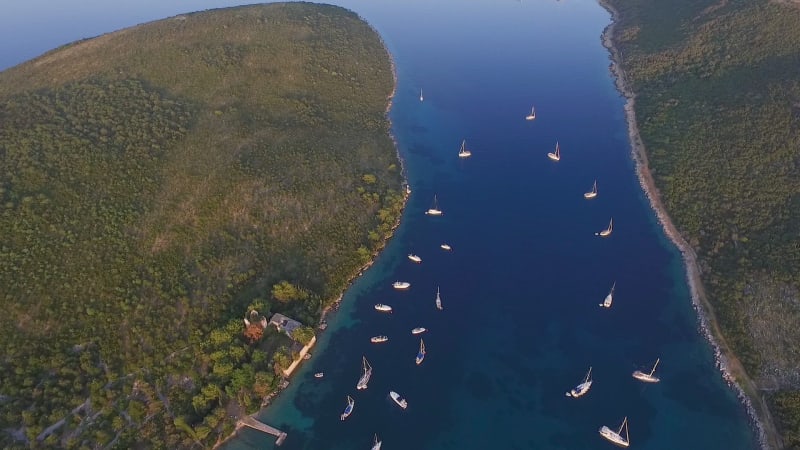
(521, 287)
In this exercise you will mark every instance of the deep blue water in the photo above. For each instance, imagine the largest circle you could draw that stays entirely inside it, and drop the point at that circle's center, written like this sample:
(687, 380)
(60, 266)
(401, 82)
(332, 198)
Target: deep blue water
(521, 287)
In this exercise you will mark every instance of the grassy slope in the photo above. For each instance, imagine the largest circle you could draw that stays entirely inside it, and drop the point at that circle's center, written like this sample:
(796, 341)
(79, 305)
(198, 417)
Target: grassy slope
(153, 183)
(718, 106)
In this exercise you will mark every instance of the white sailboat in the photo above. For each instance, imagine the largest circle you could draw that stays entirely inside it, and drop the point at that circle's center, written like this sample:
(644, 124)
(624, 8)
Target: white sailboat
(610, 297)
(532, 115)
(421, 352)
(366, 374)
(463, 152)
(401, 402)
(377, 444)
(593, 193)
(438, 300)
(555, 156)
(348, 409)
(434, 210)
(583, 387)
(414, 258)
(616, 436)
(607, 231)
(420, 95)
(419, 330)
(648, 377)
(446, 247)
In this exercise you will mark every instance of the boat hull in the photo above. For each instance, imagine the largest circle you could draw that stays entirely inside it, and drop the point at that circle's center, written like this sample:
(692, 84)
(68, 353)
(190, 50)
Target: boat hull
(590, 195)
(554, 157)
(645, 377)
(433, 212)
(613, 437)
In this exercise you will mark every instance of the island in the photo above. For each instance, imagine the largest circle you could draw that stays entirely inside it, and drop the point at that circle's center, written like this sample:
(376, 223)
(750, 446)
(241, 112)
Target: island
(713, 105)
(165, 191)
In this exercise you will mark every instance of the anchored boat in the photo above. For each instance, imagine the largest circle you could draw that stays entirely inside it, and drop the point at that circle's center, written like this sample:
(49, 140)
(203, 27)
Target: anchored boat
(348, 409)
(532, 115)
(401, 285)
(434, 209)
(377, 444)
(401, 402)
(446, 247)
(419, 330)
(421, 353)
(383, 308)
(414, 258)
(556, 155)
(378, 339)
(616, 436)
(610, 297)
(463, 152)
(366, 373)
(438, 300)
(607, 231)
(648, 377)
(583, 387)
(593, 193)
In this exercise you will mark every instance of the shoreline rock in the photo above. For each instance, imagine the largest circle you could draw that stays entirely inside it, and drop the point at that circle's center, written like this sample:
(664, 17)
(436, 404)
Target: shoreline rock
(726, 361)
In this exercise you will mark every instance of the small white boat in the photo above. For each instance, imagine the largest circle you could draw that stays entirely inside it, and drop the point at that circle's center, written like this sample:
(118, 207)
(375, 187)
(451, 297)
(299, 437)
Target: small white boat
(607, 231)
(434, 209)
(421, 352)
(319, 375)
(408, 189)
(366, 374)
(616, 436)
(609, 298)
(378, 339)
(446, 247)
(377, 444)
(583, 387)
(420, 95)
(438, 300)
(648, 377)
(419, 330)
(401, 402)
(555, 156)
(593, 193)
(463, 152)
(414, 258)
(532, 115)
(401, 285)
(383, 308)
(348, 409)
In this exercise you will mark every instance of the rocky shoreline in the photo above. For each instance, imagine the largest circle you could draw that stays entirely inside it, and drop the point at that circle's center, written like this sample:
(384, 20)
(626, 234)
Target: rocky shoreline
(727, 362)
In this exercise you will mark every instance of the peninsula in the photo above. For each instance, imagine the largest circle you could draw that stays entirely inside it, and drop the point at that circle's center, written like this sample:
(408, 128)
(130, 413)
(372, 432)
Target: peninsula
(714, 114)
(164, 191)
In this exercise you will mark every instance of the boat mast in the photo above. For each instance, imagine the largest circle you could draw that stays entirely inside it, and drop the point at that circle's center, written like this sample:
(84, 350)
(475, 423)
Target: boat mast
(625, 425)
(588, 375)
(654, 367)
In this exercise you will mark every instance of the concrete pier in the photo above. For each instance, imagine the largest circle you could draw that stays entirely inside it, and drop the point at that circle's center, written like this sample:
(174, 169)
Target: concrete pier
(256, 425)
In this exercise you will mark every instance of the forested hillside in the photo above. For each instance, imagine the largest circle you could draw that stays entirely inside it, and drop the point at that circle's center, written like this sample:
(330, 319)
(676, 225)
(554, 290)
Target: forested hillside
(156, 185)
(718, 108)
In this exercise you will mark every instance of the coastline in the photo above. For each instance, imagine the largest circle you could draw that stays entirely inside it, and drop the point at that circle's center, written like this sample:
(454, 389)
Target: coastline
(726, 361)
(334, 305)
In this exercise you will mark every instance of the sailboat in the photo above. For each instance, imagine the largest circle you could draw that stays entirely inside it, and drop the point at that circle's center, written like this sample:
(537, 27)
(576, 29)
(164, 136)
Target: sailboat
(648, 377)
(401, 285)
(607, 231)
(414, 258)
(438, 300)
(421, 353)
(464, 153)
(609, 298)
(420, 95)
(532, 115)
(616, 436)
(365, 375)
(583, 387)
(555, 156)
(446, 247)
(419, 330)
(434, 210)
(377, 444)
(593, 193)
(348, 409)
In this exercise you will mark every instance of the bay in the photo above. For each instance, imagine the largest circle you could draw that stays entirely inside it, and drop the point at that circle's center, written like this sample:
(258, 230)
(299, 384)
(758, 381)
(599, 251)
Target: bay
(521, 322)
